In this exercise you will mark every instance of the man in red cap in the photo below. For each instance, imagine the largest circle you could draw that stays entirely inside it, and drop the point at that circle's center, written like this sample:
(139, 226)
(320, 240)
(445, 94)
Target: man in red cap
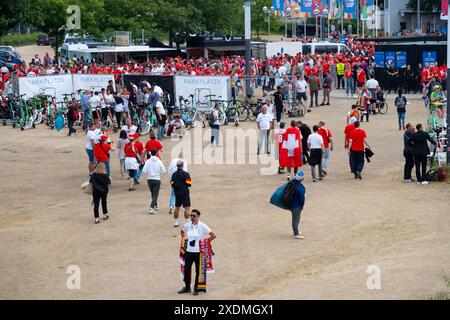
(101, 152)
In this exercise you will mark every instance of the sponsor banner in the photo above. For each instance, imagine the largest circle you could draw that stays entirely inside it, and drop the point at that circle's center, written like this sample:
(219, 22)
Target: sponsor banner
(350, 9)
(429, 58)
(201, 87)
(379, 59)
(401, 59)
(92, 82)
(335, 9)
(306, 8)
(364, 10)
(55, 85)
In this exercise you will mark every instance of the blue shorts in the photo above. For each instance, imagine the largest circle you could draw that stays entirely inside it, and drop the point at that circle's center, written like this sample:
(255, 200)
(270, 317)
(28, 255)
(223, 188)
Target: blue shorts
(132, 173)
(90, 155)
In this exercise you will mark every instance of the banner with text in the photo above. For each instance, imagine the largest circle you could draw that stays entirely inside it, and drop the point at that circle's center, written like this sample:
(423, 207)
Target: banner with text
(201, 87)
(92, 82)
(306, 9)
(335, 9)
(364, 11)
(350, 9)
(55, 86)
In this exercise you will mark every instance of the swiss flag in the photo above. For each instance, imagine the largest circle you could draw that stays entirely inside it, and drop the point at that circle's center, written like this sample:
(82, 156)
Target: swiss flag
(291, 149)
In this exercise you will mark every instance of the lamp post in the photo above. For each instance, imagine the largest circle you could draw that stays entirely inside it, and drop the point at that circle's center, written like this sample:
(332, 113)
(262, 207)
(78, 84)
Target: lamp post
(269, 12)
(248, 34)
(316, 13)
(287, 13)
(324, 14)
(294, 23)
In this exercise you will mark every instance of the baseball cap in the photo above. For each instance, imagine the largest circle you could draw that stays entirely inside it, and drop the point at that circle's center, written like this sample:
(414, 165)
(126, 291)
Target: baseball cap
(104, 137)
(4, 70)
(299, 176)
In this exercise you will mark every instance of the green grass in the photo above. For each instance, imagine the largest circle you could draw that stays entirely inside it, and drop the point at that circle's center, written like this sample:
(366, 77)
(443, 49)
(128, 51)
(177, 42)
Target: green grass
(18, 40)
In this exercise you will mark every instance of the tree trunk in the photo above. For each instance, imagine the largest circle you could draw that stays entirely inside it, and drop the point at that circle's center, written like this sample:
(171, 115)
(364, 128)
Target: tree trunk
(56, 49)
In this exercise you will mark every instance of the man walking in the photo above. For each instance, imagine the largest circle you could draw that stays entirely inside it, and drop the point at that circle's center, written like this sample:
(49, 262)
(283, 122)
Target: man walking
(181, 182)
(327, 83)
(305, 131)
(317, 150)
(408, 153)
(278, 100)
(291, 150)
(314, 86)
(298, 204)
(328, 143)
(263, 121)
(357, 140)
(420, 139)
(153, 169)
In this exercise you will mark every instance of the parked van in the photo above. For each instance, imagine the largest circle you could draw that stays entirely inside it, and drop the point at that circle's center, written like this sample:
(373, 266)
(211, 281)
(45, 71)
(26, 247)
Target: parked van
(324, 47)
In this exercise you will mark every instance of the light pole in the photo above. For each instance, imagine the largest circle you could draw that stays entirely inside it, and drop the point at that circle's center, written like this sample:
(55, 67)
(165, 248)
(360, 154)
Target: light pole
(294, 23)
(324, 14)
(316, 13)
(287, 13)
(248, 34)
(269, 12)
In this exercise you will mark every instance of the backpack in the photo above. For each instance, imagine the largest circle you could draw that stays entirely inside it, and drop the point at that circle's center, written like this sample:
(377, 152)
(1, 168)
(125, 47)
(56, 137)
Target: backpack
(211, 119)
(289, 193)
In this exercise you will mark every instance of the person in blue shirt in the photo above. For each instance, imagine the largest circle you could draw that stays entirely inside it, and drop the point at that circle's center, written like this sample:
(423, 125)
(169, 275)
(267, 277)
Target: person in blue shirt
(297, 204)
(85, 96)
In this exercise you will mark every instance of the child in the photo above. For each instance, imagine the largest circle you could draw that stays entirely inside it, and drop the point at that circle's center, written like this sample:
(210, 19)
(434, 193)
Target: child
(400, 103)
(121, 142)
(278, 138)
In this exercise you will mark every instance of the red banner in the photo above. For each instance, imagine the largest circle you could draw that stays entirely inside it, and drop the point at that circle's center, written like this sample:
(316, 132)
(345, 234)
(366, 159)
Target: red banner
(444, 10)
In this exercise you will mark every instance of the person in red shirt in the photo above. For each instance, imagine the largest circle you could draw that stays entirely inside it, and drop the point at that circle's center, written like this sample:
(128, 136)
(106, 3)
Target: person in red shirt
(348, 129)
(357, 140)
(327, 143)
(101, 152)
(134, 159)
(153, 144)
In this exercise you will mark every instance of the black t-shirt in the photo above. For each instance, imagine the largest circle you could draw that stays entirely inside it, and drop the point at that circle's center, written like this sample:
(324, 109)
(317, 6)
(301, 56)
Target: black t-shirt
(278, 98)
(400, 103)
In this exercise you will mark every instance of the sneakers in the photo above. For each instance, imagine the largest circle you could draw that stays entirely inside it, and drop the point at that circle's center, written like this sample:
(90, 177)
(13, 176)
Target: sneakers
(151, 210)
(314, 180)
(184, 290)
(299, 236)
(324, 172)
(171, 211)
(176, 223)
(424, 182)
(407, 180)
(358, 176)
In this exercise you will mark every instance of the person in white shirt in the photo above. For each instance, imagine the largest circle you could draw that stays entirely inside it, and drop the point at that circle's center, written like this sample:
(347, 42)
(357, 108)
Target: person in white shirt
(170, 171)
(264, 121)
(317, 151)
(300, 86)
(194, 231)
(153, 169)
(373, 86)
(161, 116)
(94, 103)
(157, 89)
(91, 140)
(215, 127)
(129, 127)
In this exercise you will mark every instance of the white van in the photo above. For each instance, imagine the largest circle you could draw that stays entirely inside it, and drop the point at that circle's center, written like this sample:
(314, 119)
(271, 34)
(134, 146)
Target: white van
(283, 47)
(324, 47)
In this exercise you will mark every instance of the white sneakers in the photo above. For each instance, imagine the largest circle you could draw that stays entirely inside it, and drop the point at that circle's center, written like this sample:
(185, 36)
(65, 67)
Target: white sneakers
(151, 210)
(299, 236)
(175, 223)
(424, 182)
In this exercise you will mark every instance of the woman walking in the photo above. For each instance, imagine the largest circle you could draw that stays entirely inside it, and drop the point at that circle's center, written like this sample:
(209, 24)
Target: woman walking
(100, 187)
(132, 159)
(101, 152)
(121, 142)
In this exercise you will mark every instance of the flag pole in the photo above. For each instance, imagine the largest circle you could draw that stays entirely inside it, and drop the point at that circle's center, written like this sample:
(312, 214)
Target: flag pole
(342, 17)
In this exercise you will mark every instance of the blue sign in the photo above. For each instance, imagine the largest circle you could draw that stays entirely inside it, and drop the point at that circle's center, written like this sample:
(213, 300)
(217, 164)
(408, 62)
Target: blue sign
(390, 58)
(379, 59)
(401, 59)
(343, 39)
(428, 58)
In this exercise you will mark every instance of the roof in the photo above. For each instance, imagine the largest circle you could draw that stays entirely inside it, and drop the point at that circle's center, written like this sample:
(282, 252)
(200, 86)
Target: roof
(107, 49)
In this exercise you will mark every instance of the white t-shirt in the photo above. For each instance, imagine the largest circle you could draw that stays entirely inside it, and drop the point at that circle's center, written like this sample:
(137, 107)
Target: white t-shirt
(94, 102)
(301, 85)
(161, 109)
(129, 131)
(173, 167)
(264, 121)
(90, 135)
(216, 116)
(372, 84)
(315, 140)
(158, 90)
(195, 233)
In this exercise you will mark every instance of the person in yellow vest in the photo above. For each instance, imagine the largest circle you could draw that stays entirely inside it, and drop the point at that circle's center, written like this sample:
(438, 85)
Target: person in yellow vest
(340, 70)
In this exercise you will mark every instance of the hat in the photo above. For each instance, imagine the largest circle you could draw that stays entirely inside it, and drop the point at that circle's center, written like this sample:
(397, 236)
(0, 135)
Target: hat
(133, 136)
(104, 137)
(299, 176)
(4, 70)
(436, 87)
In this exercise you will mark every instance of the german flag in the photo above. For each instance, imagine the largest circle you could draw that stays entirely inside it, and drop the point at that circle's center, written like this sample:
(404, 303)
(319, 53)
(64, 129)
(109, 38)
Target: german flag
(189, 181)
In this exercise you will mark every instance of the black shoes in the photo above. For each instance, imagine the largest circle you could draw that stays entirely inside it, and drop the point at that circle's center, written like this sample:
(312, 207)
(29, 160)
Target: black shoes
(358, 176)
(184, 290)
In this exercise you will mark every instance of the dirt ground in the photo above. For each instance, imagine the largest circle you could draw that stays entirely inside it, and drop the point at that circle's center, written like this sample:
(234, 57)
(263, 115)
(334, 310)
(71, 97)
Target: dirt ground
(46, 225)
(28, 52)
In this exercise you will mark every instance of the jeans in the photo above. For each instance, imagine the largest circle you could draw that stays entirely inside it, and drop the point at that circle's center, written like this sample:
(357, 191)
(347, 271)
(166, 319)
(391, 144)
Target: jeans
(215, 132)
(263, 135)
(357, 161)
(316, 95)
(339, 80)
(86, 118)
(401, 118)
(161, 125)
(326, 159)
(97, 196)
(189, 259)
(279, 111)
(409, 165)
(353, 86)
(154, 186)
(420, 162)
(138, 173)
(326, 96)
(172, 199)
(349, 86)
(108, 169)
(296, 213)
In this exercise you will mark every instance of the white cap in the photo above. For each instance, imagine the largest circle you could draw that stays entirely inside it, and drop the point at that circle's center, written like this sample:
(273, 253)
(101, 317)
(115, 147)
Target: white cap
(4, 70)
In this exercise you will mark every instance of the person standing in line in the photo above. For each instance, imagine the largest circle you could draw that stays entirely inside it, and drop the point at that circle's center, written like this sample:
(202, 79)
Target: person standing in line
(170, 171)
(419, 140)
(328, 144)
(100, 186)
(194, 230)
(357, 140)
(121, 142)
(408, 149)
(348, 129)
(314, 87)
(327, 85)
(181, 182)
(298, 203)
(278, 100)
(349, 90)
(263, 122)
(400, 103)
(215, 126)
(317, 150)
(305, 130)
(153, 169)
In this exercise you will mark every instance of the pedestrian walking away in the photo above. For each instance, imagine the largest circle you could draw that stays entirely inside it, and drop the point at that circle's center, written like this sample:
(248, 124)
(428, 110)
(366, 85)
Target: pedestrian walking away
(357, 140)
(153, 169)
(328, 144)
(100, 187)
(181, 182)
(298, 204)
(408, 149)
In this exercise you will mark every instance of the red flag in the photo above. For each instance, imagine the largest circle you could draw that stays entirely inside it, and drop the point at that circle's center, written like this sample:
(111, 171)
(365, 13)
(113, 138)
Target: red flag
(291, 149)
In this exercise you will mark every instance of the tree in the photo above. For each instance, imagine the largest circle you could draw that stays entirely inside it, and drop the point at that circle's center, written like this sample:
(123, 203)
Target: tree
(13, 12)
(425, 5)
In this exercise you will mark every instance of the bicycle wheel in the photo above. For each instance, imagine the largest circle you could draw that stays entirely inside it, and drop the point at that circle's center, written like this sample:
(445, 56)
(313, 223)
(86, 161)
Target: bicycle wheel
(253, 112)
(382, 107)
(232, 114)
(243, 113)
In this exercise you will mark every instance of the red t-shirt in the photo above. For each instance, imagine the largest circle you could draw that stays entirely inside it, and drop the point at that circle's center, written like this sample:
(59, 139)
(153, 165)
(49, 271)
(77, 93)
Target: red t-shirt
(153, 144)
(325, 133)
(362, 77)
(132, 151)
(348, 129)
(101, 152)
(357, 136)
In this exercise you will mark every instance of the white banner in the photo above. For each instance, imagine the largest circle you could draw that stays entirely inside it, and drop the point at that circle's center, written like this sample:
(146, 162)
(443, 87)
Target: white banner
(201, 87)
(92, 82)
(55, 85)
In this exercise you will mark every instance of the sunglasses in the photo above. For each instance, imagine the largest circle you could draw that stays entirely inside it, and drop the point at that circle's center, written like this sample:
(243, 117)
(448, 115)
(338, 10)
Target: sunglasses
(193, 216)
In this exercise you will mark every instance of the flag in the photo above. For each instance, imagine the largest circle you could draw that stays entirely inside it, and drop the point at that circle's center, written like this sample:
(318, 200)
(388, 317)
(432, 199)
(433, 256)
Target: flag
(291, 149)
(364, 6)
(335, 9)
(349, 9)
(306, 8)
(444, 10)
